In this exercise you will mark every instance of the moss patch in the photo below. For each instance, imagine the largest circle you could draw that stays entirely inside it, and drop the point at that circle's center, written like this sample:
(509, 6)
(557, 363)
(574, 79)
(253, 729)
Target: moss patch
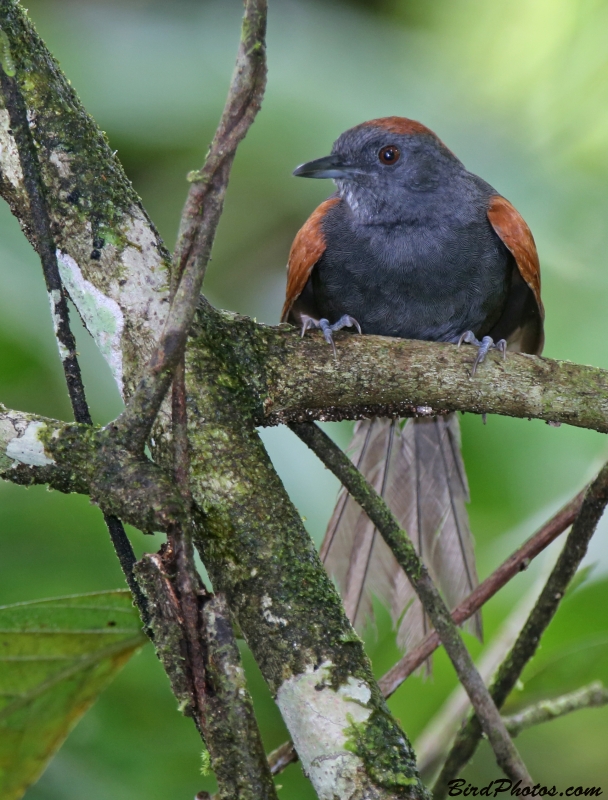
(386, 754)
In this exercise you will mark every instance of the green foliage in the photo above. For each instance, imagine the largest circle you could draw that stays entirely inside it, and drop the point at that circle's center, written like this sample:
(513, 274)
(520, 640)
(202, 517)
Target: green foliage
(574, 650)
(56, 656)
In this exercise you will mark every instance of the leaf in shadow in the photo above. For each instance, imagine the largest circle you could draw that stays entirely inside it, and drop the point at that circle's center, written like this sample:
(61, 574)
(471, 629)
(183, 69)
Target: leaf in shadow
(56, 657)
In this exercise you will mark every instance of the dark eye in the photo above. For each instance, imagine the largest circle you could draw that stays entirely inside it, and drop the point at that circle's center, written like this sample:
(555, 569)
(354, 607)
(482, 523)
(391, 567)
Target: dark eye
(389, 154)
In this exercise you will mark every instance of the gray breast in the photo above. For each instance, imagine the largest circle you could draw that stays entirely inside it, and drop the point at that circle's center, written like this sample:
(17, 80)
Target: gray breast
(418, 280)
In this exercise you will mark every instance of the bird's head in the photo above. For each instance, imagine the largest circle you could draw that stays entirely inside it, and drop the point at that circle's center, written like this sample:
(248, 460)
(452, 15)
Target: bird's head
(379, 164)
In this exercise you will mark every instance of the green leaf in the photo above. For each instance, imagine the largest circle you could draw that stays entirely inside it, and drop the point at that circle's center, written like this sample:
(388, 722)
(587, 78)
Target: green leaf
(56, 656)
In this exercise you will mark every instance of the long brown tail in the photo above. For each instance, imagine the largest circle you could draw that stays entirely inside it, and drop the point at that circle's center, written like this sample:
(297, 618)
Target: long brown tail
(417, 467)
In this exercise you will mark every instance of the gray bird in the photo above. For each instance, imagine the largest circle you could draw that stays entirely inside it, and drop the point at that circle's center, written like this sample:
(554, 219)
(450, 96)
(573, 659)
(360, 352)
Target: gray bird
(411, 245)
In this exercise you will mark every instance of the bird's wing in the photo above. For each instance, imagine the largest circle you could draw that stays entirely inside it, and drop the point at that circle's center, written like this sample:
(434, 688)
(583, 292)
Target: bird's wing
(306, 250)
(510, 226)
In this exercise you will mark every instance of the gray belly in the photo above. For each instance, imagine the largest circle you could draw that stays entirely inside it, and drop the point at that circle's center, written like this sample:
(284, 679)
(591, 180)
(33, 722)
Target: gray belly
(415, 285)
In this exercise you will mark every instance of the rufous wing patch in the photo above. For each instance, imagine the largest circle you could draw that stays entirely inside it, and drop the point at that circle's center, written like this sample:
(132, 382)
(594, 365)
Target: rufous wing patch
(306, 250)
(512, 229)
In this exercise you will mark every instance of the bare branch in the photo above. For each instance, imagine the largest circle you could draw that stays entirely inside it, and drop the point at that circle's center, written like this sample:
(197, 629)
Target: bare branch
(594, 503)
(516, 562)
(590, 696)
(379, 513)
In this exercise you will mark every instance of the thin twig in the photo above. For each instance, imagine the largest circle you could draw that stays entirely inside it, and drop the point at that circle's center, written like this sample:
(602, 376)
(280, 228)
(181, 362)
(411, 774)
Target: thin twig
(575, 547)
(590, 696)
(516, 562)
(200, 218)
(45, 245)
(379, 513)
(181, 547)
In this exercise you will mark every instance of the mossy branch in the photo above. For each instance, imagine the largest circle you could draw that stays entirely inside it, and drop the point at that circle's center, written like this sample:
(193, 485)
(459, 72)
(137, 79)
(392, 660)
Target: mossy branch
(298, 379)
(83, 458)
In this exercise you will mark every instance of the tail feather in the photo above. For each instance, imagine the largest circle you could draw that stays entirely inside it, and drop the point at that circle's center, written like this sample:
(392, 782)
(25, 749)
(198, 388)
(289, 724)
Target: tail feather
(418, 469)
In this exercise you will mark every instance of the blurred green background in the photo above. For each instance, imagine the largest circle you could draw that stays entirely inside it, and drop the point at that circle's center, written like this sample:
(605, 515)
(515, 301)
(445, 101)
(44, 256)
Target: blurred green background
(519, 91)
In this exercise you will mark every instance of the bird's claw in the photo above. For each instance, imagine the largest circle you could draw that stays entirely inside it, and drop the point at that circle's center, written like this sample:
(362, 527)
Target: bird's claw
(345, 321)
(484, 347)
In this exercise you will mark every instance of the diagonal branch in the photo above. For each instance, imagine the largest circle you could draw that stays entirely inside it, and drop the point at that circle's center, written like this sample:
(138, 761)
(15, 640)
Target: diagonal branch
(45, 245)
(200, 218)
(334, 459)
(594, 503)
(516, 562)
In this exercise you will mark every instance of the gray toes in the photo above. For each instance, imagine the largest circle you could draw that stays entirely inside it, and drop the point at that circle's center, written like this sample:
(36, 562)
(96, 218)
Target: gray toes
(483, 347)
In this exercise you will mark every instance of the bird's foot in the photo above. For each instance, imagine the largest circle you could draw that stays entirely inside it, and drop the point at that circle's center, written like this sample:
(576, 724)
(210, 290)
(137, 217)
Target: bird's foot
(484, 347)
(345, 321)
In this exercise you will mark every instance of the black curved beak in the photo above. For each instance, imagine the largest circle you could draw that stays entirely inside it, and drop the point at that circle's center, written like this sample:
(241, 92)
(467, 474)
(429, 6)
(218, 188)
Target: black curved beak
(327, 167)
